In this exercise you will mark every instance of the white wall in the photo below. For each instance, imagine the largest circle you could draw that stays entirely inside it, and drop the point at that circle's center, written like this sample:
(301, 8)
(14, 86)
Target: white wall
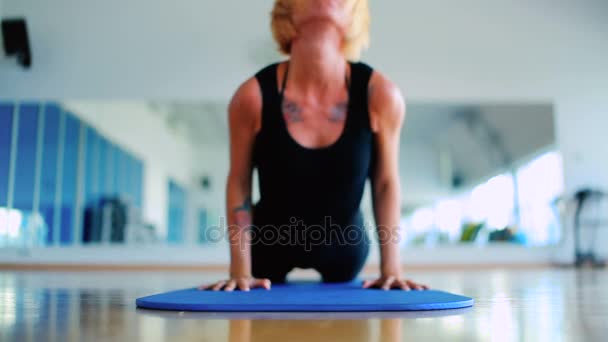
(582, 130)
(1, 16)
(470, 49)
(165, 154)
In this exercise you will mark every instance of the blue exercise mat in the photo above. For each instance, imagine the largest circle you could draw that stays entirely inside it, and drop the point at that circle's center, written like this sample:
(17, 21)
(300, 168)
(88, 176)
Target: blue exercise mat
(305, 297)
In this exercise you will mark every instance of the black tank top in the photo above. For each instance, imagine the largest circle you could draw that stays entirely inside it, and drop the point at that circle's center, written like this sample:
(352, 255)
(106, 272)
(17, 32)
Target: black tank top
(312, 184)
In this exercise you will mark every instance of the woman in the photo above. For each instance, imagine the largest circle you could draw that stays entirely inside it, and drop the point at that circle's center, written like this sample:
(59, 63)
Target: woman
(316, 127)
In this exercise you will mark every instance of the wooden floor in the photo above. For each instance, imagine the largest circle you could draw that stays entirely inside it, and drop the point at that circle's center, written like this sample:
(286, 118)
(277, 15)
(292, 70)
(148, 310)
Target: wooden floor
(512, 305)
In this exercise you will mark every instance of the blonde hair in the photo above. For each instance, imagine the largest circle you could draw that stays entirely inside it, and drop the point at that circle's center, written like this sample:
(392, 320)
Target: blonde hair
(357, 35)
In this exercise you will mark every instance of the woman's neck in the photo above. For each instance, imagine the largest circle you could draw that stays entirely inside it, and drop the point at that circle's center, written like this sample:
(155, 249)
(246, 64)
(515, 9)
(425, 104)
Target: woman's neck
(317, 63)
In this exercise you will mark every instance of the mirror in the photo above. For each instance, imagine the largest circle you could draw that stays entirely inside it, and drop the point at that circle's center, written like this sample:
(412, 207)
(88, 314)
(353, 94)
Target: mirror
(154, 172)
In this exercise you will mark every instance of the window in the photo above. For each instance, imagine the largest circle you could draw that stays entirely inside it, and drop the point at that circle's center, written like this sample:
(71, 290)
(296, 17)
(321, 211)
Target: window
(496, 205)
(540, 183)
(493, 202)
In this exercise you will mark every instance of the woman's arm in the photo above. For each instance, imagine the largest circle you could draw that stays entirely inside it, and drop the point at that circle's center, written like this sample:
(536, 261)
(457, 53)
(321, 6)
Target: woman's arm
(244, 116)
(387, 113)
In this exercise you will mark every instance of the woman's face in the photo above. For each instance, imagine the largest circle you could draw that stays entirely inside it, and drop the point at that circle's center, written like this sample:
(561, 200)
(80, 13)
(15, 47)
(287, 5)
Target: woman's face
(335, 12)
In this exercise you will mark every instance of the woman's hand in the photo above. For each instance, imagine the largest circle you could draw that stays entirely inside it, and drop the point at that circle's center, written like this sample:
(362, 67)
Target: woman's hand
(241, 283)
(393, 282)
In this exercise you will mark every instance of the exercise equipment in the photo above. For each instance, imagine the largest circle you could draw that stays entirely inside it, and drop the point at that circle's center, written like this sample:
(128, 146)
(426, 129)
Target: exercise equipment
(584, 199)
(305, 297)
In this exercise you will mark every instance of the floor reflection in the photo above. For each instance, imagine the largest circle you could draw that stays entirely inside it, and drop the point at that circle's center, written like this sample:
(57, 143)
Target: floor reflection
(551, 305)
(266, 330)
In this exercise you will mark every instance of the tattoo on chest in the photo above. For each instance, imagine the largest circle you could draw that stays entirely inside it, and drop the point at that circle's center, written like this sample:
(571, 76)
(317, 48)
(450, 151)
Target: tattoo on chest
(292, 111)
(338, 113)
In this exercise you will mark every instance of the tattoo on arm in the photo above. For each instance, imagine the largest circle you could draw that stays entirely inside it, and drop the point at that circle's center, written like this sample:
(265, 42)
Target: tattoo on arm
(242, 213)
(246, 206)
(292, 111)
(338, 113)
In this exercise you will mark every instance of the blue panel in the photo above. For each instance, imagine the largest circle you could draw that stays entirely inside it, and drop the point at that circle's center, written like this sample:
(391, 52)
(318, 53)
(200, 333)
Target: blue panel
(6, 126)
(139, 183)
(120, 176)
(114, 156)
(70, 176)
(177, 210)
(91, 182)
(48, 179)
(91, 195)
(25, 166)
(306, 297)
(103, 167)
(135, 176)
(128, 179)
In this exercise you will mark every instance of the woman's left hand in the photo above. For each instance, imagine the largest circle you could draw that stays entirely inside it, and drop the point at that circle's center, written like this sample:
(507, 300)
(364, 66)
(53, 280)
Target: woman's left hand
(393, 282)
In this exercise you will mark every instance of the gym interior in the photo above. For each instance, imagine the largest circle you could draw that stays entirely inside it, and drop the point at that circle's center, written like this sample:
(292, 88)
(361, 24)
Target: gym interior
(114, 154)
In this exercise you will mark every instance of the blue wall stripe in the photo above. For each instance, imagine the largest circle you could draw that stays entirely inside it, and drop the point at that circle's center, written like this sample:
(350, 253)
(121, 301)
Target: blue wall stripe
(139, 183)
(6, 126)
(58, 184)
(109, 170)
(69, 178)
(48, 181)
(25, 167)
(117, 172)
(176, 213)
(80, 186)
(102, 166)
(91, 167)
(39, 155)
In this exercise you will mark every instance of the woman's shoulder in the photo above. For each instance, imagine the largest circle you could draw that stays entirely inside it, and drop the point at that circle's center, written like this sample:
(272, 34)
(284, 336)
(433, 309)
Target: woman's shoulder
(250, 93)
(386, 101)
(246, 103)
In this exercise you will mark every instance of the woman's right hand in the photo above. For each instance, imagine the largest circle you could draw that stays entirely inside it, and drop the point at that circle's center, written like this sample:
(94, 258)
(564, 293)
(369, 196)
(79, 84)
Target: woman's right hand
(241, 283)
